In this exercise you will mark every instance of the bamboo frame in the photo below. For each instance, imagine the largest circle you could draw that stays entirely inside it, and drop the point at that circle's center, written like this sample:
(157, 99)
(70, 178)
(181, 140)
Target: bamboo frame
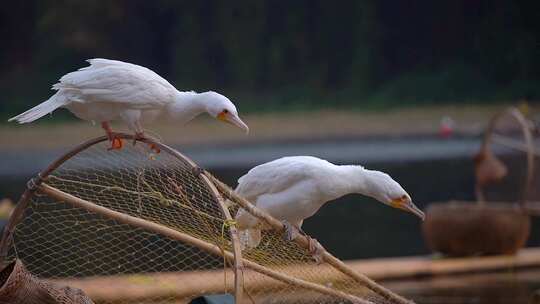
(179, 236)
(304, 242)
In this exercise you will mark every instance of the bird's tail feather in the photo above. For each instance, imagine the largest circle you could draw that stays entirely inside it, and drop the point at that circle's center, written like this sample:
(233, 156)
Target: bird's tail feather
(249, 238)
(42, 109)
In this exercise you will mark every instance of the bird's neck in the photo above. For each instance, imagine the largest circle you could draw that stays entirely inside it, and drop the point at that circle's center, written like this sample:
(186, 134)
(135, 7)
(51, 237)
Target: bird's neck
(351, 179)
(187, 105)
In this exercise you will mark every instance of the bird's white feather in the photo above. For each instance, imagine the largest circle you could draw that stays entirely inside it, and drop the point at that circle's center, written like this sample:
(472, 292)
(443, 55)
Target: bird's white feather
(54, 102)
(280, 174)
(111, 81)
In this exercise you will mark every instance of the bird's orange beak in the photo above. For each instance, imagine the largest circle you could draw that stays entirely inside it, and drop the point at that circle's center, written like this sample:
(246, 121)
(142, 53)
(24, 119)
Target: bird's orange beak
(222, 116)
(404, 203)
(234, 120)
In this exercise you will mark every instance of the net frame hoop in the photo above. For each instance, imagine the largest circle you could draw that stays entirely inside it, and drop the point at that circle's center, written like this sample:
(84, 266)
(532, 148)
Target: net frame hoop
(34, 184)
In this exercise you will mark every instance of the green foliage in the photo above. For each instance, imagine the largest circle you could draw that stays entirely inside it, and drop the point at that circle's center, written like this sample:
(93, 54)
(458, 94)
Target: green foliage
(280, 55)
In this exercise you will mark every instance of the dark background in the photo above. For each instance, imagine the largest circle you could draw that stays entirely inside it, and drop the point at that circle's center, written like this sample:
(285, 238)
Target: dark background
(279, 55)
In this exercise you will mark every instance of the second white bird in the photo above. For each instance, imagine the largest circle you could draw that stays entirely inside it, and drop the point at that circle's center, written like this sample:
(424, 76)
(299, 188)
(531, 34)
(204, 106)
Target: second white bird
(294, 188)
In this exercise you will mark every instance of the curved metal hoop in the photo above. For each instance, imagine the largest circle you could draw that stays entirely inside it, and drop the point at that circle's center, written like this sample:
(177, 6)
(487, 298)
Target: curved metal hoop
(34, 183)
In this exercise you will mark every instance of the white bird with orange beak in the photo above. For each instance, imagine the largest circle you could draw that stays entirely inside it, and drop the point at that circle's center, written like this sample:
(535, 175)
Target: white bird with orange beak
(294, 188)
(110, 90)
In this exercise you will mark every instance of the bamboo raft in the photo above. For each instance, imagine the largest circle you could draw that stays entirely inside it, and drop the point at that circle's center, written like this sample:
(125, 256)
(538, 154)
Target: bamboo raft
(396, 273)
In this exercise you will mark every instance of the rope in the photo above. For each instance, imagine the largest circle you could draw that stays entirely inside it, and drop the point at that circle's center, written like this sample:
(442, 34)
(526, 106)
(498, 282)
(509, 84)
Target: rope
(34, 182)
(226, 224)
(149, 194)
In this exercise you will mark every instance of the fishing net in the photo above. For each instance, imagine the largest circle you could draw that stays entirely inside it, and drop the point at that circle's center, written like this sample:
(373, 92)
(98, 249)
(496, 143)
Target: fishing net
(134, 226)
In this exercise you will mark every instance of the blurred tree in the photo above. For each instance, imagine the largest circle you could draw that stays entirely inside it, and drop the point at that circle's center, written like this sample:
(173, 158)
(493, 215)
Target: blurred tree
(282, 53)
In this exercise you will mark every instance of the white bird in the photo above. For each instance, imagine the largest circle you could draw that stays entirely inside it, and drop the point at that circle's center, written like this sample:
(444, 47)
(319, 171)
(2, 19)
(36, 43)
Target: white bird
(110, 90)
(293, 188)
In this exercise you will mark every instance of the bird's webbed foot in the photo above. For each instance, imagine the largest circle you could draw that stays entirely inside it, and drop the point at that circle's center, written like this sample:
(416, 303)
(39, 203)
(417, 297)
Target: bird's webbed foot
(116, 142)
(291, 231)
(316, 250)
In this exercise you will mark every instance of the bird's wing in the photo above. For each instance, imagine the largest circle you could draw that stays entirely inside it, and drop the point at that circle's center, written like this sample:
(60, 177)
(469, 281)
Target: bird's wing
(273, 177)
(278, 186)
(118, 82)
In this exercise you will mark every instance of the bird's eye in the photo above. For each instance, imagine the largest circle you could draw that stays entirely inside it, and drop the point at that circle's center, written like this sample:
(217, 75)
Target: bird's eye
(225, 111)
(403, 196)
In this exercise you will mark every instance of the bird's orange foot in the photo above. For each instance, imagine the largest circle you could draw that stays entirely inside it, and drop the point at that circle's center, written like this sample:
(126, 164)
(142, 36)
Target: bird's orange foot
(116, 143)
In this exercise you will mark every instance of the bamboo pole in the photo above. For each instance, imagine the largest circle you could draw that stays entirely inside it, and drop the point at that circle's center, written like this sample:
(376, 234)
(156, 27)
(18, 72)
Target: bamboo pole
(179, 236)
(237, 250)
(397, 271)
(304, 242)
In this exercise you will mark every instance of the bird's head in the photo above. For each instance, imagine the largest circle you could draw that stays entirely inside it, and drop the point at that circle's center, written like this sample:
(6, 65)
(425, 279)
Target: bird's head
(386, 190)
(220, 107)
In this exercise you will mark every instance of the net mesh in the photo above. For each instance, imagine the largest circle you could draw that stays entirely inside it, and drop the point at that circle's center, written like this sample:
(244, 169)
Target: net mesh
(115, 262)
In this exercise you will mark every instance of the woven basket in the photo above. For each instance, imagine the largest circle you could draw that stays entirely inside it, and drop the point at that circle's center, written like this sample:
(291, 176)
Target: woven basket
(19, 286)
